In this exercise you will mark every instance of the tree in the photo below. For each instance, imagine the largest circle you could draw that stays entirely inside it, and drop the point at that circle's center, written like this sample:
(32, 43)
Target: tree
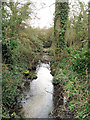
(12, 17)
(61, 15)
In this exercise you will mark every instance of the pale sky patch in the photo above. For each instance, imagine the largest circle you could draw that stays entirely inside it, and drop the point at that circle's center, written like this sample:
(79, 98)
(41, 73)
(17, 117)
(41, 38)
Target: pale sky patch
(44, 10)
(45, 13)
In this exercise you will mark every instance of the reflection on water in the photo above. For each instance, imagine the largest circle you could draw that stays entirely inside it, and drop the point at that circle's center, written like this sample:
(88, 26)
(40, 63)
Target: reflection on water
(40, 97)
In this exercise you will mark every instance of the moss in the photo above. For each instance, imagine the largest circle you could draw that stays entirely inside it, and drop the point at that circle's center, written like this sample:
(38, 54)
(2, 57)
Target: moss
(26, 72)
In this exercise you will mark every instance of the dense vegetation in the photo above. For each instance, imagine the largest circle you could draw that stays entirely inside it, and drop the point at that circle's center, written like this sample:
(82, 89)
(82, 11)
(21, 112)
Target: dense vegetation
(71, 57)
(22, 47)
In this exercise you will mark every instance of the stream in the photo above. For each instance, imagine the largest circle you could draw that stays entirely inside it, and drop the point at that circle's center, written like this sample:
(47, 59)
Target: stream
(38, 100)
(42, 98)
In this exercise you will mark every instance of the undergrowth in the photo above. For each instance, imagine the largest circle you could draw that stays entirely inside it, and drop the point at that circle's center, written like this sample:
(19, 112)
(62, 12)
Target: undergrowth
(73, 74)
(11, 89)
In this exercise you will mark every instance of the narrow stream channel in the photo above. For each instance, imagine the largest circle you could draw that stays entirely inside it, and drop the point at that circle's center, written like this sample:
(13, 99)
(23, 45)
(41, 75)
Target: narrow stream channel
(39, 102)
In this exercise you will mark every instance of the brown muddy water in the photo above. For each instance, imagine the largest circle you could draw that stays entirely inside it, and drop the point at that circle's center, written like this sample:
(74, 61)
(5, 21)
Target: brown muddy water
(38, 98)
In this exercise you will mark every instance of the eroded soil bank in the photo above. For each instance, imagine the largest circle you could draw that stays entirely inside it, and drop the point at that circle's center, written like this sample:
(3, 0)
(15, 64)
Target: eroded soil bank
(60, 104)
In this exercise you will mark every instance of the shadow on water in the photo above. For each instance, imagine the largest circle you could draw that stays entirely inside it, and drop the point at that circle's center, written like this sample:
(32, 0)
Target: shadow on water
(38, 102)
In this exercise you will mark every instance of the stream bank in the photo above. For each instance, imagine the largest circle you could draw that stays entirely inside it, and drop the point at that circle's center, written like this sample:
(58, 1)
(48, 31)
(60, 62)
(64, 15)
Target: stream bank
(42, 97)
(37, 97)
(60, 103)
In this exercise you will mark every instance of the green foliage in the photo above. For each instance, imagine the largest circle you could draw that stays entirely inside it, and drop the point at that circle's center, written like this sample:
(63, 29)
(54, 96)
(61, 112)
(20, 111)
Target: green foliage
(46, 36)
(11, 19)
(79, 94)
(21, 47)
(11, 87)
(71, 59)
(32, 76)
(80, 61)
(63, 63)
(75, 85)
(61, 15)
